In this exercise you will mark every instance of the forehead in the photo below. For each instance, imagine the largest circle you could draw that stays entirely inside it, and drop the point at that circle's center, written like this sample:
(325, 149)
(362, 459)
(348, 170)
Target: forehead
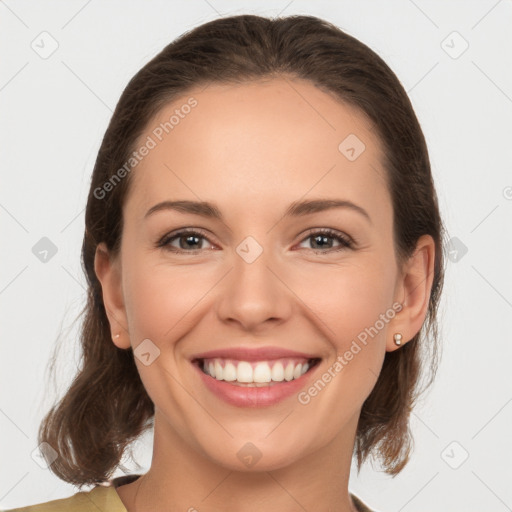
(273, 140)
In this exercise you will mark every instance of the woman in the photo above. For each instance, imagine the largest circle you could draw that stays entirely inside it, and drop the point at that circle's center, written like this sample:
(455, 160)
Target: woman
(263, 248)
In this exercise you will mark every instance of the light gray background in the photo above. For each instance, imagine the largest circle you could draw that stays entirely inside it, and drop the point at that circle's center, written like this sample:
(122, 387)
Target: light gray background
(54, 113)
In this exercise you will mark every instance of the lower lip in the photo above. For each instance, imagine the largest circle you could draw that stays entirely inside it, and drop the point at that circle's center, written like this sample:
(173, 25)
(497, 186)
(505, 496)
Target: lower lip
(244, 396)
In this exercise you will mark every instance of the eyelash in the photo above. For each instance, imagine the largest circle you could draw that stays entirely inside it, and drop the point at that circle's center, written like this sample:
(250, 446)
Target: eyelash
(346, 242)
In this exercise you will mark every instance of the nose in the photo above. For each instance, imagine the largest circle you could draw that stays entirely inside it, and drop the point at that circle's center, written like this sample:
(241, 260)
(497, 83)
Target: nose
(254, 295)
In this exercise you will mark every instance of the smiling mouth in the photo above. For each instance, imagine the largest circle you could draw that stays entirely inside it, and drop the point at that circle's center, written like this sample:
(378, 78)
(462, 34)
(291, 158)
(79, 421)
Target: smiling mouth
(256, 373)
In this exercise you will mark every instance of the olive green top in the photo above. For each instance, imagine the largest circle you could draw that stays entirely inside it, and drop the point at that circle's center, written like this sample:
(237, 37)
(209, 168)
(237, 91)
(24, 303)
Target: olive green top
(104, 498)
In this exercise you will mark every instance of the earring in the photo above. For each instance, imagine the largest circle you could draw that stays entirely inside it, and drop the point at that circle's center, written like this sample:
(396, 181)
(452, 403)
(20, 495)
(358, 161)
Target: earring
(398, 338)
(116, 336)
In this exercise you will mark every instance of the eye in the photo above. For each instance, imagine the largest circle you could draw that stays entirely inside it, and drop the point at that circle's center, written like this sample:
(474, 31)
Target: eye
(191, 241)
(321, 239)
(188, 241)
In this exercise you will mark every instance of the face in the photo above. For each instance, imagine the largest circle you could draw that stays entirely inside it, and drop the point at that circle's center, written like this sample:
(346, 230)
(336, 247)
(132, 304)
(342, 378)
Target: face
(264, 272)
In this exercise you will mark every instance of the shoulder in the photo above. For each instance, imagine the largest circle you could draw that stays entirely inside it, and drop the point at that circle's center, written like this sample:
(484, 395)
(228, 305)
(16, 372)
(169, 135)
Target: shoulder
(360, 505)
(101, 498)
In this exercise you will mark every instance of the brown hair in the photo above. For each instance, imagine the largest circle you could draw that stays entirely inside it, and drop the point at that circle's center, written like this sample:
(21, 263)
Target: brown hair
(106, 406)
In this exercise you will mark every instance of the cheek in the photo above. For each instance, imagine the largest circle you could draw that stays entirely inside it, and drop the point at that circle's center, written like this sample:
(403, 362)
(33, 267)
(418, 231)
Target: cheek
(159, 297)
(350, 299)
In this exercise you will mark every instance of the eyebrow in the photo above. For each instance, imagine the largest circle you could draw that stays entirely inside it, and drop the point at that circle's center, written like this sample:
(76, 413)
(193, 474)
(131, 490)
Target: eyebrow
(296, 209)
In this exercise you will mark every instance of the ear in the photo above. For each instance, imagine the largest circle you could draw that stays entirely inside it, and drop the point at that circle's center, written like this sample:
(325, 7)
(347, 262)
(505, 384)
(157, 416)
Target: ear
(108, 272)
(414, 288)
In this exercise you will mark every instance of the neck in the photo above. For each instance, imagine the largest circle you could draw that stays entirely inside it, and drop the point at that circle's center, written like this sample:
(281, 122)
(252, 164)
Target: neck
(182, 478)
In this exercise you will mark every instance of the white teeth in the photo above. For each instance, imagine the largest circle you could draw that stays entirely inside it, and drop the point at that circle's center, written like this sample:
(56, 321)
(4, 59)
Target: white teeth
(277, 372)
(244, 372)
(218, 370)
(255, 374)
(288, 372)
(229, 373)
(262, 373)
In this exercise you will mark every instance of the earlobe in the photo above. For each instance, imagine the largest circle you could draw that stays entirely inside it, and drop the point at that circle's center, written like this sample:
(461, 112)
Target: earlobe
(108, 273)
(415, 288)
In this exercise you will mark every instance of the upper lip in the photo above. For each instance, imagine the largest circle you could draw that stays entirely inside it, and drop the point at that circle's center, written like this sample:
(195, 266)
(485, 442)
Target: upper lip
(252, 354)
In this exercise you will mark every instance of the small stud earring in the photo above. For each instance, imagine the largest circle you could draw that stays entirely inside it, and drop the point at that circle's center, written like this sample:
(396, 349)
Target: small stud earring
(398, 338)
(116, 336)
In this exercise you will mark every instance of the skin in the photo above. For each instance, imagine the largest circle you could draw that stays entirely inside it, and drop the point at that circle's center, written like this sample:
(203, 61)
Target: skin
(253, 149)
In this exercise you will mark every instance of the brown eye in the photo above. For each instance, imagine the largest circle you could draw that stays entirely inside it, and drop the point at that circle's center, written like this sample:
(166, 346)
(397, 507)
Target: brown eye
(187, 241)
(322, 240)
